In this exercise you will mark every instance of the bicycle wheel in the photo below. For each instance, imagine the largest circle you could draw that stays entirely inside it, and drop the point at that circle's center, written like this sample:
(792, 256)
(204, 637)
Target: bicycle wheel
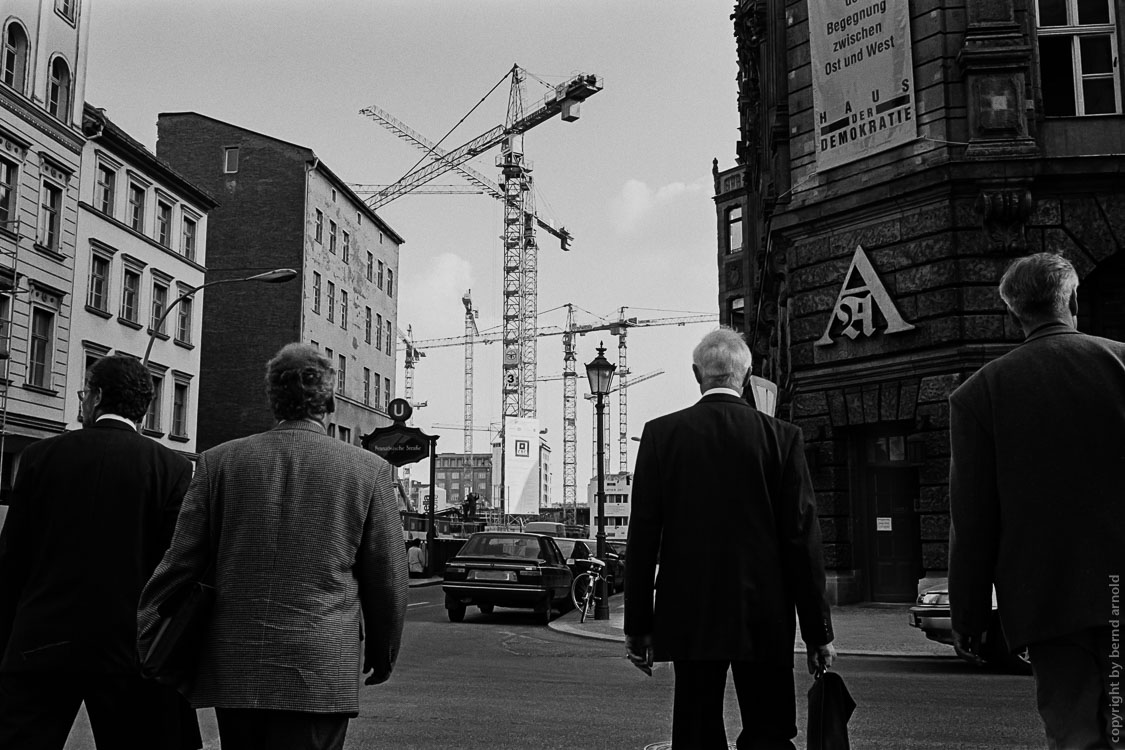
(582, 595)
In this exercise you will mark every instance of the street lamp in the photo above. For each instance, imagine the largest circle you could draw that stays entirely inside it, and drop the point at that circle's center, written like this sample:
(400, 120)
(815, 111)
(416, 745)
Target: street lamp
(600, 374)
(276, 276)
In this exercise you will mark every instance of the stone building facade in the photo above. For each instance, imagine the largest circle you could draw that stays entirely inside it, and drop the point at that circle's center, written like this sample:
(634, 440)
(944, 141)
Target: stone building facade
(893, 159)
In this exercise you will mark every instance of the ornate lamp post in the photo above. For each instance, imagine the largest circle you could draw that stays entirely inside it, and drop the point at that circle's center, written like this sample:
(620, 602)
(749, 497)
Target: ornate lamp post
(276, 276)
(600, 373)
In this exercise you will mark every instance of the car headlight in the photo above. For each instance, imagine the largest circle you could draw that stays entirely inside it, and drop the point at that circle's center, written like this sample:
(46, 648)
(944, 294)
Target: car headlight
(934, 598)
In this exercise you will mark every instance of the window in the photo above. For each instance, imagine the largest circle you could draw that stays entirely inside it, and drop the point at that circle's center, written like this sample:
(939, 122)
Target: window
(97, 296)
(341, 374)
(180, 409)
(344, 309)
(331, 302)
(15, 57)
(40, 351)
(159, 304)
(318, 227)
(164, 223)
(390, 283)
(331, 236)
(736, 314)
(1078, 57)
(58, 90)
(316, 293)
(386, 393)
(183, 322)
(187, 241)
(347, 247)
(734, 229)
(5, 324)
(375, 386)
(153, 416)
(367, 326)
(50, 215)
(370, 266)
(66, 8)
(344, 433)
(137, 207)
(390, 339)
(104, 189)
(9, 182)
(379, 332)
(379, 276)
(230, 159)
(130, 291)
(367, 386)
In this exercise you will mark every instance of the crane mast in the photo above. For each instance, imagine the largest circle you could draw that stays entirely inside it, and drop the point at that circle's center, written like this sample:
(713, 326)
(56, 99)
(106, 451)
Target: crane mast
(570, 418)
(471, 333)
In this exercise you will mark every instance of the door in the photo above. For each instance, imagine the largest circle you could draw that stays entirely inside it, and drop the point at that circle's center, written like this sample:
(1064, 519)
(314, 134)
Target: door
(895, 548)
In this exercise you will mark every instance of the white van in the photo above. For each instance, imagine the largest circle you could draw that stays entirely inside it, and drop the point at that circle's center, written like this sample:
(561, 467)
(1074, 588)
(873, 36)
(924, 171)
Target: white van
(550, 528)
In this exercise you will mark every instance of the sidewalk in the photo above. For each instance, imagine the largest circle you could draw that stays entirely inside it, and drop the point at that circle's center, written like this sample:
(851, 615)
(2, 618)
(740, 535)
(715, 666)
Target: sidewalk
(861, 630)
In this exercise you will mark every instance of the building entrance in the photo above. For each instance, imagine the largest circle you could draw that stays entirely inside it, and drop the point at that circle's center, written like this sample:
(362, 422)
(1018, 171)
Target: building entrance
(893, 546)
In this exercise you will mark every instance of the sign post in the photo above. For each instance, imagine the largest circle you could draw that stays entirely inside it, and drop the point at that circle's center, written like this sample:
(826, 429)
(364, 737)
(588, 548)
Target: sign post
(401, 445)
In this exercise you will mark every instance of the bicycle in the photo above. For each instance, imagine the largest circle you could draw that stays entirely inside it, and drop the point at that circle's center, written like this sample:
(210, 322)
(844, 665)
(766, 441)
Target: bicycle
(584, 590)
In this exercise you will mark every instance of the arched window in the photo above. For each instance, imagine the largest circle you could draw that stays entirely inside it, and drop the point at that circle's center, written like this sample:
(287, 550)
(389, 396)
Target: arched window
(58, 91)
(15, 57)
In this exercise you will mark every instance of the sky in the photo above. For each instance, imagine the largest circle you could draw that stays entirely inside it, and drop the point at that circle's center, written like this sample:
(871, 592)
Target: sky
(631, 179)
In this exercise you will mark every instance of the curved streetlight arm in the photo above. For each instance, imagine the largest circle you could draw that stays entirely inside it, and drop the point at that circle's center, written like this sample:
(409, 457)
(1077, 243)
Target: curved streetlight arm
(276, 276)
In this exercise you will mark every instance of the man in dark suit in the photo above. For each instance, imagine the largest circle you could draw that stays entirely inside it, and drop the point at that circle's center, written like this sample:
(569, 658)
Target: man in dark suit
(1035, 492)
(91, 514)
(305, 537)
(723, 501)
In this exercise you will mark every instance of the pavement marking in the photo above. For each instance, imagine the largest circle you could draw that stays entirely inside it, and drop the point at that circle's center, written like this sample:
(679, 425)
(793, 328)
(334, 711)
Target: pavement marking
(421, 604)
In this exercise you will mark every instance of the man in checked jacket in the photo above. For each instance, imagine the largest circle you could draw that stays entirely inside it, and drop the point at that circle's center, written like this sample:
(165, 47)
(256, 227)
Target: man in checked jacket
(303, 532)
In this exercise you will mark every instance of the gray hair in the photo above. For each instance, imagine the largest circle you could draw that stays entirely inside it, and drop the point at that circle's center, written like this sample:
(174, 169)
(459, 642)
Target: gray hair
(722, 356)
(1039, 286)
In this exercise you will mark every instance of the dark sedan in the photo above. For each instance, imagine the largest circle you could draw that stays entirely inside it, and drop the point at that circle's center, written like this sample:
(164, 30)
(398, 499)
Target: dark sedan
(578, 551)
(506, 569)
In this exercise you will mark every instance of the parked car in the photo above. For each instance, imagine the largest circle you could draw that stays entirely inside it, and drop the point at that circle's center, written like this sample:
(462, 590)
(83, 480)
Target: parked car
(506, 569)
(931, 615)
(577, 551)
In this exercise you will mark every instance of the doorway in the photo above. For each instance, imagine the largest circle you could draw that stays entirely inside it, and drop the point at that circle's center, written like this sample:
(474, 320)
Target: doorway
(893, 543)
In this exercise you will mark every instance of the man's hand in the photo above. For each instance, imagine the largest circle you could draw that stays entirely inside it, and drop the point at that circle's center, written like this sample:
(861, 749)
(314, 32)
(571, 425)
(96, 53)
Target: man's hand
(820, 657)
(638, 648)
(374, 676)
(968, 647)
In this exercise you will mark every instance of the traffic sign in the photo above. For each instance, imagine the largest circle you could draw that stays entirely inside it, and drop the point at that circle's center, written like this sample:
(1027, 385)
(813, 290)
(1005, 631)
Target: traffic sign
(400, 409)
(399, 444)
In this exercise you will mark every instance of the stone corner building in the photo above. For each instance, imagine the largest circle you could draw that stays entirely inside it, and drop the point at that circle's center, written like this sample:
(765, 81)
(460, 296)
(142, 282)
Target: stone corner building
(894, 158)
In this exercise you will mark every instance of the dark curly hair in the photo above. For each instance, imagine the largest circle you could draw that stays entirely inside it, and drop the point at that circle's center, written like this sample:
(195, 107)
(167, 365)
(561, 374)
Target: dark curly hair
(300, 382)
(125, 385)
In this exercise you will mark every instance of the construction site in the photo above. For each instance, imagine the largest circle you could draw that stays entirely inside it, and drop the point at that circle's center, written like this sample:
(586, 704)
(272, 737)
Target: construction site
(519, 449)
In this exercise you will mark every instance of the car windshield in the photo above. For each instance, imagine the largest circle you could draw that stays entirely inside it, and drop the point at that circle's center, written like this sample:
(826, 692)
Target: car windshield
(506, 545)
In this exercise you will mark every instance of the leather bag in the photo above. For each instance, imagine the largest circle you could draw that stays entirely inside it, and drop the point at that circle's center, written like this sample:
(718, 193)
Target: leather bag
(174, 652)
(830, 708)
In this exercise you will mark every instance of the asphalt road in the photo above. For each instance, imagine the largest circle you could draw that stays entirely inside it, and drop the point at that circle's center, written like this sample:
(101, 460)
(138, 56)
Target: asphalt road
(502, 682)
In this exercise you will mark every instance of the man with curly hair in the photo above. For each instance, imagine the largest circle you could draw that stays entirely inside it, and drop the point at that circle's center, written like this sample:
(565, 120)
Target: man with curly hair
(302, 534)
(92, 512)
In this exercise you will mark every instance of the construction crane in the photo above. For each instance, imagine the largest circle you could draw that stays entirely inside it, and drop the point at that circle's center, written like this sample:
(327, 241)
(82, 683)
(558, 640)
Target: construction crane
(520, 264)
(471, 332)
(570, 378)
(622, 435)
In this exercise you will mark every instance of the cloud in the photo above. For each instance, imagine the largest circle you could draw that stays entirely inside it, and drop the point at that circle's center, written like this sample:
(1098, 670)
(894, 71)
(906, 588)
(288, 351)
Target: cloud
(637, 203)
(430, 301)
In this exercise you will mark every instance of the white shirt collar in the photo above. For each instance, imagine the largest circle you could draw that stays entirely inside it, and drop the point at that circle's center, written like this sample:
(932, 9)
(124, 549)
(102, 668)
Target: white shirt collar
(119, 418)
(726, 391)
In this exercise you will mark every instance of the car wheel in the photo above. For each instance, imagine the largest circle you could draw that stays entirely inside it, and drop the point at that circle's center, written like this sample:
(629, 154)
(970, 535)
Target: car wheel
(456, 612)
(544, 615)
(486, 609)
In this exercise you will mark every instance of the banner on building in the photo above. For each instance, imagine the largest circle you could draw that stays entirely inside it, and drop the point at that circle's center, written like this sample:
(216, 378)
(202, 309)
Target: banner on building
(862, 78)
(521, 465)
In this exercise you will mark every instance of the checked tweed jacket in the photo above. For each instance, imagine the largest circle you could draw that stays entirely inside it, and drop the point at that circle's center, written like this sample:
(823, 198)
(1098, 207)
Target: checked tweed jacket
(304, 532)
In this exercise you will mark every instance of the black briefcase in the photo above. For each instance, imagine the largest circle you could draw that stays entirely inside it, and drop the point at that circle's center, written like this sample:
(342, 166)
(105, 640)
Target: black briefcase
(830, 708)
(174, 652)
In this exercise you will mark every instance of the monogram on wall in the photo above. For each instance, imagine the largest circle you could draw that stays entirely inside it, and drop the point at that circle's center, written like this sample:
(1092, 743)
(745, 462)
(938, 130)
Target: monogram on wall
(863, 305)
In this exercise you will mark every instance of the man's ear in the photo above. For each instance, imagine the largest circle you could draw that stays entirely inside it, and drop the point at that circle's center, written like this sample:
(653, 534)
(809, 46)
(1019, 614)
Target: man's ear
(698, 375)
(1074, 304)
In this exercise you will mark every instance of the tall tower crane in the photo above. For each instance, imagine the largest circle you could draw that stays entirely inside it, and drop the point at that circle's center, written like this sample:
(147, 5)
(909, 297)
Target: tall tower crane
(622, 435)
(520, 264)
(410, 358)
(471, 332)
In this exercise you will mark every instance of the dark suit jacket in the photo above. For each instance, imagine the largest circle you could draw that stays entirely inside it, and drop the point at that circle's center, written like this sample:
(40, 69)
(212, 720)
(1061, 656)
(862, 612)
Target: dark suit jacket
(304, 532)
(722, 499)
(91, 514)
(1036, 485)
